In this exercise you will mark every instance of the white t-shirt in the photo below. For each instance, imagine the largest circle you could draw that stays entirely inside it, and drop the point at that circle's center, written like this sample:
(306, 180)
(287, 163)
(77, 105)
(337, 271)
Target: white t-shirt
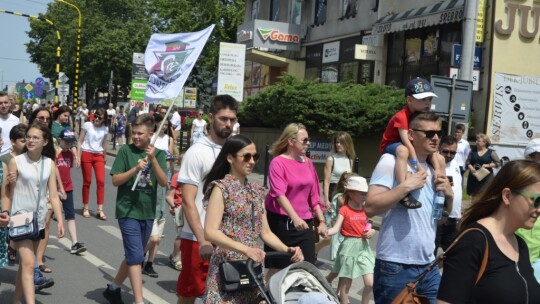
(462, 152)
(197, 162)
(452, 169)
(111, 112)
(199, 124)
(406, 236)
(235, 128)
(81, 112)
(93, 140)
(162, 143)
(176, 121)
(7, 123)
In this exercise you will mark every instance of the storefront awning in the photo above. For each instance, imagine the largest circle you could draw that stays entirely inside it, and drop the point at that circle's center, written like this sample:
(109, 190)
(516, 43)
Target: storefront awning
(266, 58)
(447, 11)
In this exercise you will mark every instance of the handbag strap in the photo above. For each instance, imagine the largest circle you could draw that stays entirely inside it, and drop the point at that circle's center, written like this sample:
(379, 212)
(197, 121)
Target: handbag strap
(442, 256)
(40, 181)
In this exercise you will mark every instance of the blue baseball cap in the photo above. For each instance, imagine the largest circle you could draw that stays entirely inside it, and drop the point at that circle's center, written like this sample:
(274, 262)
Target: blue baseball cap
(419, 88)
(68, 135)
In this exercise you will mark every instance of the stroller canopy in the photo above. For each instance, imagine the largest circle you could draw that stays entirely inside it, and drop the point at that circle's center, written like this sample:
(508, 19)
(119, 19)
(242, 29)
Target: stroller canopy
(291, 283)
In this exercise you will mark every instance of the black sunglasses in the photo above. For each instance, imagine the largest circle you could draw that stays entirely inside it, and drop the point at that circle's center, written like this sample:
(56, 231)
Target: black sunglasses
(305, 140)
(430, 133)
(247, 157)
(444, 151)
(98, 117)
(535, 198)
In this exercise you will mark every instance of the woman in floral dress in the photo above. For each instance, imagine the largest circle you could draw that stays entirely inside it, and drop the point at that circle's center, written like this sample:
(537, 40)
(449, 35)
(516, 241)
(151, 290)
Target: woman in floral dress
(235, 217)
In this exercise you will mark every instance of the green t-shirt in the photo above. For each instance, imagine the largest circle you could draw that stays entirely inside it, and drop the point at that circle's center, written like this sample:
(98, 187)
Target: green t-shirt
(532, 238)
(58, 128)
(141, 203)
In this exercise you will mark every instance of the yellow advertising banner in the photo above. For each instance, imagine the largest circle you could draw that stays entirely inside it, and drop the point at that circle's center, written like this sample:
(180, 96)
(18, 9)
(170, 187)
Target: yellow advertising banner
(480, 21)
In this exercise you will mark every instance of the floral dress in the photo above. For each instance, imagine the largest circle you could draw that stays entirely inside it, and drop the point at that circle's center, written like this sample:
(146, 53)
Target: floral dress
(120, 125)
(242, 222)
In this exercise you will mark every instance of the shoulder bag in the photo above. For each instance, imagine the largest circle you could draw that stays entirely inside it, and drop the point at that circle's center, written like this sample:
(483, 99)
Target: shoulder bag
(234, 274)
(409, 296)
(481, 173)
(23, 225)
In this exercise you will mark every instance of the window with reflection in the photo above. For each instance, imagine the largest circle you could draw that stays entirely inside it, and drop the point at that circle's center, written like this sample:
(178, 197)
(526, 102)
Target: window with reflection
(274, 10)
(296, 12)
(348, 72)
(320, 12)
(348, 8)
(255, 9)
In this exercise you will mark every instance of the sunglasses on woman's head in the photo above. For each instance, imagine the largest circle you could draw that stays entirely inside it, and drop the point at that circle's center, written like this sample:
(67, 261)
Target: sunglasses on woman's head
(247, 157)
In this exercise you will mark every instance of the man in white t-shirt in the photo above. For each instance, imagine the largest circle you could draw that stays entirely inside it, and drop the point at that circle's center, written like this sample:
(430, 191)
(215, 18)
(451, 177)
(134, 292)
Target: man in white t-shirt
(406, 240)
(7, 121)
(463, 147)
(447, 231)
(196, 163)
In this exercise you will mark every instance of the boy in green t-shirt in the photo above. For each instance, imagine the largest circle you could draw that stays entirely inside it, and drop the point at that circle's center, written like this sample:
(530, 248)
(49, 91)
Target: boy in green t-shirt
(136, 210)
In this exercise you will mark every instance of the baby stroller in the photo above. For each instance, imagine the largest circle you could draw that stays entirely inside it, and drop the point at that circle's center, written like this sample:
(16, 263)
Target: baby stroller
(300, 282)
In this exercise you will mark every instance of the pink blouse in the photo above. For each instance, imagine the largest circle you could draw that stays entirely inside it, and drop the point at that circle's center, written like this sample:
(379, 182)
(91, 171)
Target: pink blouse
(298, 181)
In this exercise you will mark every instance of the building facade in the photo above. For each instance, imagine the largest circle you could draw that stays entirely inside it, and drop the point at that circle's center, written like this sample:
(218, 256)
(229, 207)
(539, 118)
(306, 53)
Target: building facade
(392, 41)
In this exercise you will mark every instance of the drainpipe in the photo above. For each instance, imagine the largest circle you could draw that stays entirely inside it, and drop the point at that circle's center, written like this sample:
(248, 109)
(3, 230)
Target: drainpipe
(469, 30)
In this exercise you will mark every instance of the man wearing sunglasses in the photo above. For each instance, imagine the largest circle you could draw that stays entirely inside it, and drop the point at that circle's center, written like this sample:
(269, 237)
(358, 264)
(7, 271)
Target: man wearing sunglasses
(7, 121)
(447, 231)
(532, 237)
(196, 163)
(406, 240)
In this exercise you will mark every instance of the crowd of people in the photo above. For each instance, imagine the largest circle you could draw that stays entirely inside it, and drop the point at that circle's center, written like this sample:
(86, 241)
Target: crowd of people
(220, 214)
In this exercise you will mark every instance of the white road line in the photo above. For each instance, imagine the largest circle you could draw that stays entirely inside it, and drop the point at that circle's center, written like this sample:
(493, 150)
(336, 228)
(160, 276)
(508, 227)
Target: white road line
(94, 260)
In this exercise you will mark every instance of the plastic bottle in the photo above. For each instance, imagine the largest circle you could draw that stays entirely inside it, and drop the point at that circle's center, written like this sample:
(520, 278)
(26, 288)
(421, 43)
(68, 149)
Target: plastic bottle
(438, 206)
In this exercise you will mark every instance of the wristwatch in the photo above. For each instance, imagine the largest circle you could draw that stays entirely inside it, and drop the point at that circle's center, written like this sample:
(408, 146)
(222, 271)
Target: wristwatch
(6, 211)
(445, 213)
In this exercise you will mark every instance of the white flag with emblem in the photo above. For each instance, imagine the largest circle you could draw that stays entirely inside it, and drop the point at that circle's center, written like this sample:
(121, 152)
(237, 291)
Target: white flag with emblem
(168, 59)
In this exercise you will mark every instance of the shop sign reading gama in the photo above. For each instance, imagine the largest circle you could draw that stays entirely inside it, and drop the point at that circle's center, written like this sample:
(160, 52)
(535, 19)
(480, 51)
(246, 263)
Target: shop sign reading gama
(276, 35)
(526, 13)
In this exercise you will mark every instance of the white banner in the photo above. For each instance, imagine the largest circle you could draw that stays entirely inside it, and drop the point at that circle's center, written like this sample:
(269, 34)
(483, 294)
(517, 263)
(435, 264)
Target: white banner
(231, 69)
(169, 58)
(516, 110)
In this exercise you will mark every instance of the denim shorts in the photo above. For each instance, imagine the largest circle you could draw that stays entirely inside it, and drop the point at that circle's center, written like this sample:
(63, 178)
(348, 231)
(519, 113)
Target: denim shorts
(67, 205)
(392, 148)
(390, 278)
(135, 235)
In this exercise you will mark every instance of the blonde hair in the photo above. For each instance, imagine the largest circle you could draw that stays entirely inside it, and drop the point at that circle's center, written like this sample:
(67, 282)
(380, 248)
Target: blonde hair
(485, 138)
(347, 143)
(291, 131)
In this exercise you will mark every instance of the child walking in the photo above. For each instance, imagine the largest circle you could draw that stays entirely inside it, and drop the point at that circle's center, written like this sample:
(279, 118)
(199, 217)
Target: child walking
(65, 161)
(354, 257)
(136, 210)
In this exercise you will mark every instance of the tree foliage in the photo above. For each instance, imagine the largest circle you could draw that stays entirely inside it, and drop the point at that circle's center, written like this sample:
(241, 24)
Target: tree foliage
(112, 30)
(326, 108)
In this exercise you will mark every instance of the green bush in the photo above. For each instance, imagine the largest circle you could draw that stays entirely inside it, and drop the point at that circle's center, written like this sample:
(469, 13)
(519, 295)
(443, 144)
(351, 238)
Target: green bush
(326, 108)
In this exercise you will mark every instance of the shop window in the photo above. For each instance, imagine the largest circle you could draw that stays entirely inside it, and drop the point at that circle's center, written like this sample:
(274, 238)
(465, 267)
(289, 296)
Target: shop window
(296, 11)
(366, 72)
(274, 10)
(255, 9)
(329, 74)
(313, 73)
(348, 72)
(320, 12)
(348, 8)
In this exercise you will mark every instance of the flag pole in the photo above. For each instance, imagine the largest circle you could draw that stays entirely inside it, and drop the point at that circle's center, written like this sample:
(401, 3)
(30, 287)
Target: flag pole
(154, 138)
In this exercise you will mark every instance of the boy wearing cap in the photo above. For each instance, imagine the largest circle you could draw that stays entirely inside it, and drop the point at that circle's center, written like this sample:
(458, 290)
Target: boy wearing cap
(64, 162)
(395, 141)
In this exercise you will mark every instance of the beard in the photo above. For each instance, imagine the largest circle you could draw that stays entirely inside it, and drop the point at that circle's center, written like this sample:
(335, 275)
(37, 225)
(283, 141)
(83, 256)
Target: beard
(223, 133)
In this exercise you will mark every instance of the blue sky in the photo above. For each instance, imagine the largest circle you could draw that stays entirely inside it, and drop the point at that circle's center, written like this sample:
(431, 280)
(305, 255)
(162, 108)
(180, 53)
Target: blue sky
(15, 63)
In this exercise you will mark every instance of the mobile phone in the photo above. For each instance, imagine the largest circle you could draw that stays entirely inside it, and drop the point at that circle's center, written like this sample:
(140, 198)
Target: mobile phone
(450, 179)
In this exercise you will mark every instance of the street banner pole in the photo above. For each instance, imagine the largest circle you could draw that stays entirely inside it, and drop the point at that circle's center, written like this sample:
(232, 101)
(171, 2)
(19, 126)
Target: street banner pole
(169, 59)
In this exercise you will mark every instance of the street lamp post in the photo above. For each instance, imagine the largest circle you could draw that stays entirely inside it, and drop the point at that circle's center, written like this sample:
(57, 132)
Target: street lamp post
(78, 54)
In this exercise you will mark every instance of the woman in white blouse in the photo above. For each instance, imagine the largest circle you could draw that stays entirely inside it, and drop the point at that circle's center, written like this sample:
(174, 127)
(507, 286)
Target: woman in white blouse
(198, 128)
(92, 148)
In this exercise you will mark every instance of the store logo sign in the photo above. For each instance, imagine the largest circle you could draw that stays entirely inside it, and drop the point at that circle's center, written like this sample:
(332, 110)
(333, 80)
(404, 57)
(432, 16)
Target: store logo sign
(526, 13)
(276, 35)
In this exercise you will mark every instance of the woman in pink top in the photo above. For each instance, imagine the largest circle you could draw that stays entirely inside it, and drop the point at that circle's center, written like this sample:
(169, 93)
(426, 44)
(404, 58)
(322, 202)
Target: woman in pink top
(294, 195)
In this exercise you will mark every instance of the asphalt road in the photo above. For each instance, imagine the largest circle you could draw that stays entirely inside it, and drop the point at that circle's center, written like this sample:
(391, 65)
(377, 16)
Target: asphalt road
(82, 278)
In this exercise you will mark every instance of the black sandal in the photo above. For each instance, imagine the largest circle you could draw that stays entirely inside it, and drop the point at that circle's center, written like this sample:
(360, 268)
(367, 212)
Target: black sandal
(12, 254)
(410, 202)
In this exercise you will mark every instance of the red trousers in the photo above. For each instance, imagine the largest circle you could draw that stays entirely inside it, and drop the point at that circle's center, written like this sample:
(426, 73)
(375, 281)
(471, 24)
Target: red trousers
(91, 160)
